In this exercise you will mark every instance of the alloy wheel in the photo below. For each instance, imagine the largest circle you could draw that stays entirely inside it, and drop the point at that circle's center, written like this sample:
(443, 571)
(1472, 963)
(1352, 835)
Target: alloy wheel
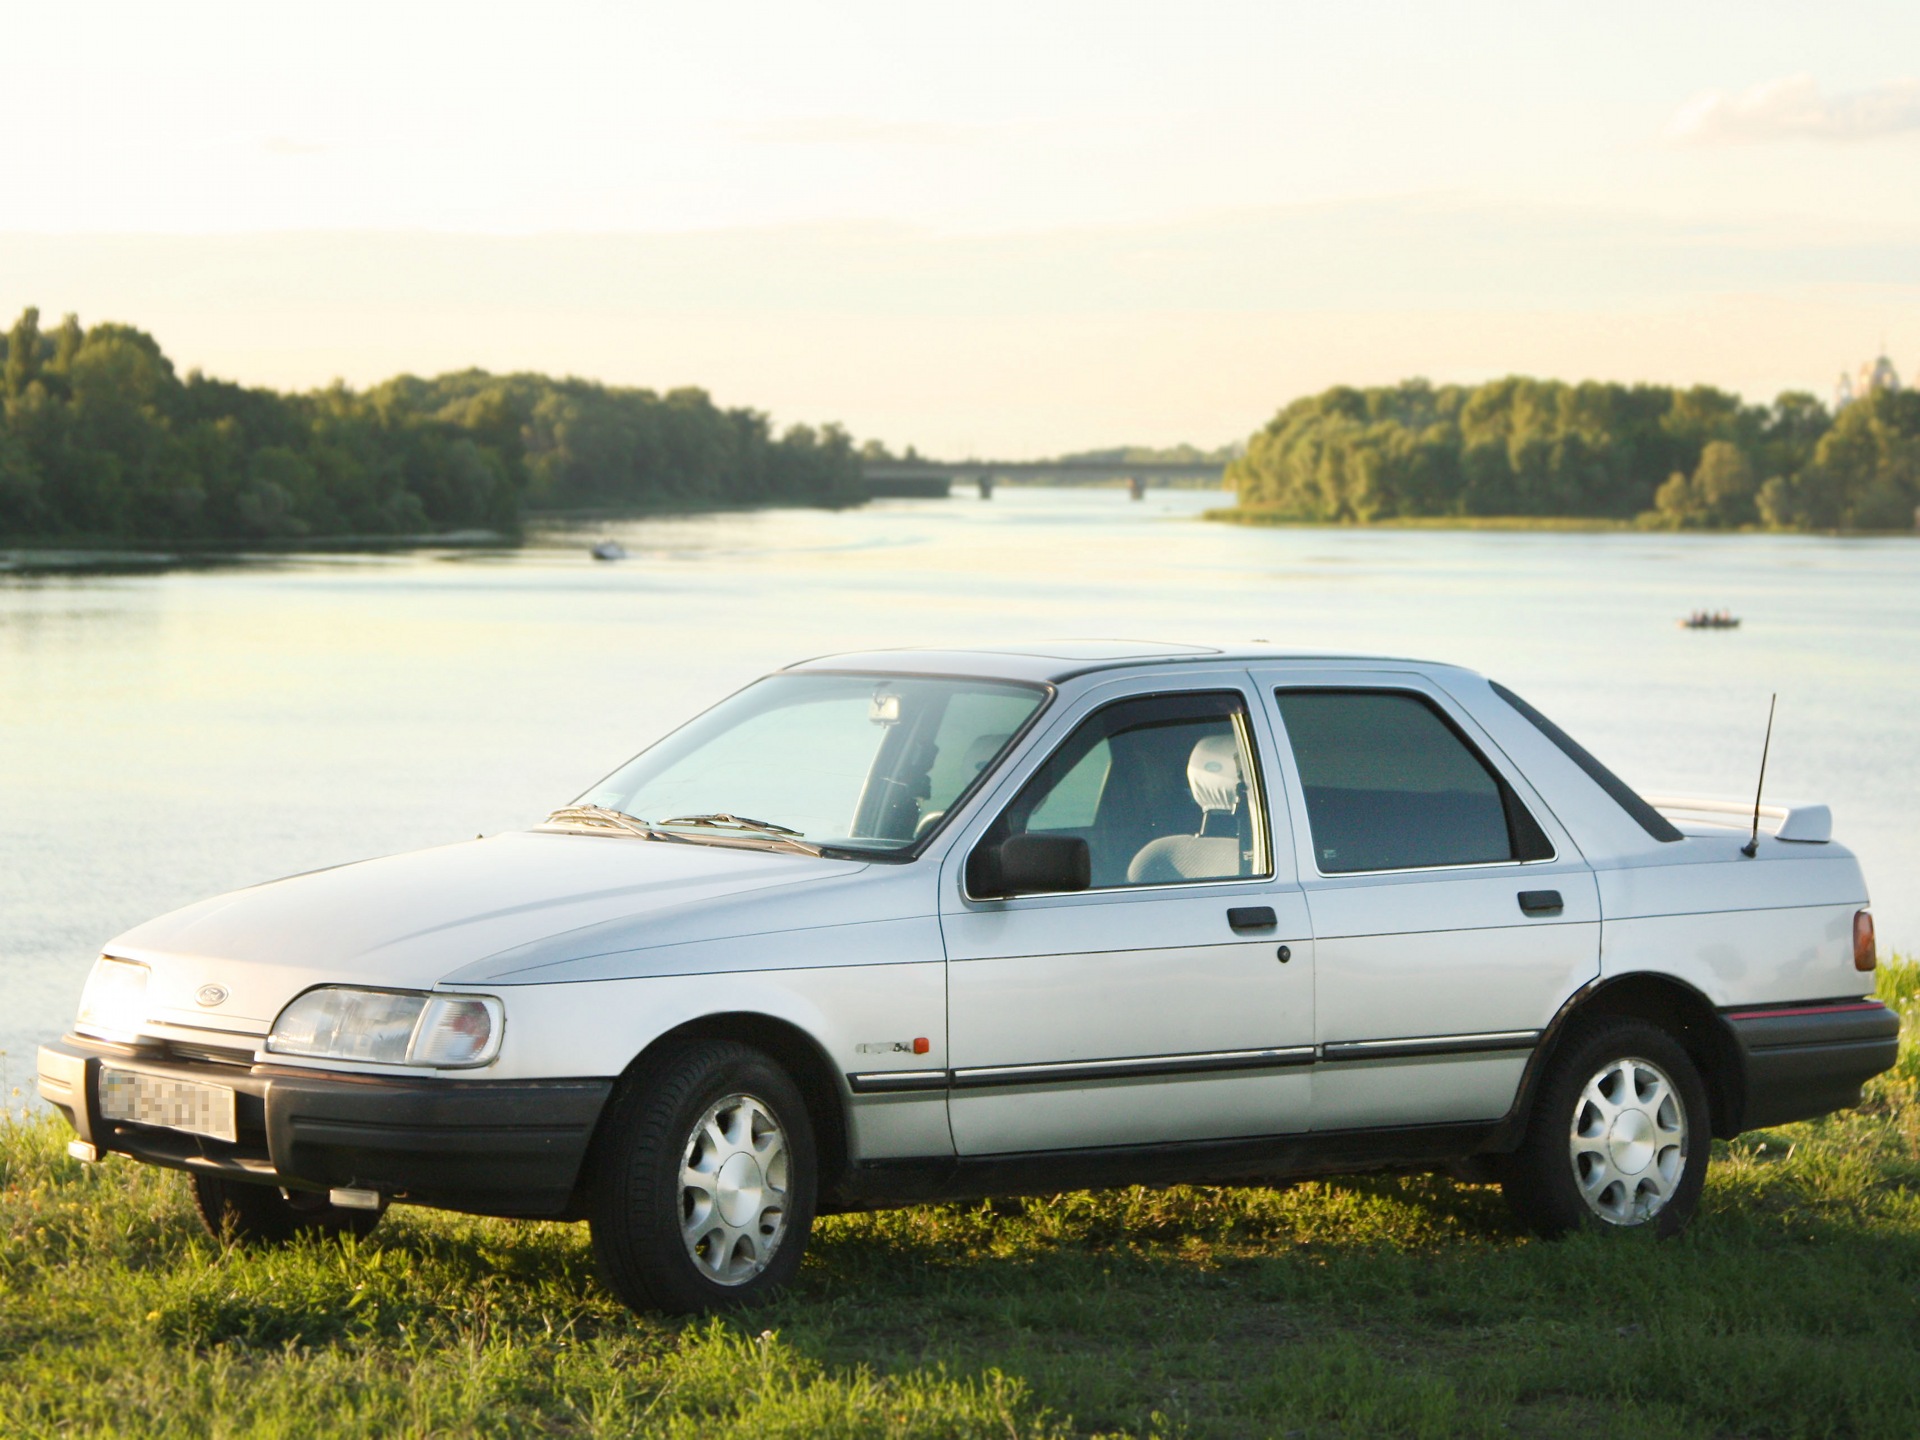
(733, 1189)
(1628, 1141)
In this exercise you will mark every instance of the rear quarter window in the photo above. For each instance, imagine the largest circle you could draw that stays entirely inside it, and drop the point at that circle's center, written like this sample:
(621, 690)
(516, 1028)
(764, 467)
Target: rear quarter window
(1623, 794)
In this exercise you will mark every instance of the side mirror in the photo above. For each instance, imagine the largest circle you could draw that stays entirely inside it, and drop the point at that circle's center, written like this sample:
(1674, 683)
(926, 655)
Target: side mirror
(1031, 864)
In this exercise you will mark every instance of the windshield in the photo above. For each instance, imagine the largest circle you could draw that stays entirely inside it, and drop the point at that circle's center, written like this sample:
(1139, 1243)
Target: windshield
(865, 762)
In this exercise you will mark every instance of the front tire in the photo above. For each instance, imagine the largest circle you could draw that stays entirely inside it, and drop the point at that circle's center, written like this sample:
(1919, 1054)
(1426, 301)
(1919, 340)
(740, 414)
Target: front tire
(1619, 1135)
(705, 1182)
(258, 1215)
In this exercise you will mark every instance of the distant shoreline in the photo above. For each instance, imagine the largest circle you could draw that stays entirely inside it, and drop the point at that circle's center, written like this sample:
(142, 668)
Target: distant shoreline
(1552, 524)
(32, 555)
(1255, 515)
(87, 554)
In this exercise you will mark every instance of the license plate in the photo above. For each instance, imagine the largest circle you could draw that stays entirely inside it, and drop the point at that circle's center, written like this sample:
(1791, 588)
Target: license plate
(176, 1104)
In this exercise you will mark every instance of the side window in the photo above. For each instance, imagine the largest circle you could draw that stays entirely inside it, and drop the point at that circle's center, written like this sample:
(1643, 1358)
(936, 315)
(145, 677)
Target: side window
(1391, 785)
(1074, 803)
(1163, 789)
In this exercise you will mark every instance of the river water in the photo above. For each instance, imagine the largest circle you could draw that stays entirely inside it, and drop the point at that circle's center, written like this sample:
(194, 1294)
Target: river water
(165, 736)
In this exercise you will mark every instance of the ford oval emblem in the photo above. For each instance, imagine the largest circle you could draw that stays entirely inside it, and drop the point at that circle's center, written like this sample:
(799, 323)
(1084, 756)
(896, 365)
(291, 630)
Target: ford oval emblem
(211, 995)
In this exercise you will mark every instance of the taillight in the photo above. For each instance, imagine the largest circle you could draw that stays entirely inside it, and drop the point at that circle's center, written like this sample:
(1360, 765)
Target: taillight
(1863, 953)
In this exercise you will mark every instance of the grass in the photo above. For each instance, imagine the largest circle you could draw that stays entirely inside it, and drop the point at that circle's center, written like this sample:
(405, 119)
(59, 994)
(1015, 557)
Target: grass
(1387, 1306)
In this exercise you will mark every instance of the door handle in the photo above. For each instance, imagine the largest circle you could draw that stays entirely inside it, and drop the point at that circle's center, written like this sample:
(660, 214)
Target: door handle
(1541, 902)
(1252, 917)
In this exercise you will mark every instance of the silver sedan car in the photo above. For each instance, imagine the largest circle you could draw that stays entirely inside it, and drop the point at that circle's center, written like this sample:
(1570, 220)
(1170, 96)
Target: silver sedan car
(924, 925)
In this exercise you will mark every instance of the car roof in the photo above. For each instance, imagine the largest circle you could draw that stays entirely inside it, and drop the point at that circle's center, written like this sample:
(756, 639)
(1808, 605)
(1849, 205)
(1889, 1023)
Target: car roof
(1054, 661)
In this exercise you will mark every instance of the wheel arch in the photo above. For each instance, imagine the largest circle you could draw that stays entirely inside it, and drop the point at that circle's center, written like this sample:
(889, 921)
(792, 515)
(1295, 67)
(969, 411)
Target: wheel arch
(1662, 1000)
(797, 1052)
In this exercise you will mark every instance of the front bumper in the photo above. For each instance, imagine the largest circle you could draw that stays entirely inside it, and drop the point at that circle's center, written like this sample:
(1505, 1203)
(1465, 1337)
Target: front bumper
(489, 1147)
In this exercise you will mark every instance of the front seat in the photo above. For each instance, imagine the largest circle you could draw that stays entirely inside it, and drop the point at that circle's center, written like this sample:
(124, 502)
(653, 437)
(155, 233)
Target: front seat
(1213, 775)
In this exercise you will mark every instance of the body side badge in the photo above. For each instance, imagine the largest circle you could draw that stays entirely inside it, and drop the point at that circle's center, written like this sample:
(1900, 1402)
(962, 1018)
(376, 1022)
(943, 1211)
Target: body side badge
(920, 1045)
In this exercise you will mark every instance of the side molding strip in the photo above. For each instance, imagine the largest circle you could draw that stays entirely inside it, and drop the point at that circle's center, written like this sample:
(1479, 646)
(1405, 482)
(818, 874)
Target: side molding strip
(888, 1082)
(1141, 1067)
(1148, 1067)
(1419, 1045)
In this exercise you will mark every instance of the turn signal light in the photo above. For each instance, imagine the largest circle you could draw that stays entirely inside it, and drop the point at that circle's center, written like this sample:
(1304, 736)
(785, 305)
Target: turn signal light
(1864, 957)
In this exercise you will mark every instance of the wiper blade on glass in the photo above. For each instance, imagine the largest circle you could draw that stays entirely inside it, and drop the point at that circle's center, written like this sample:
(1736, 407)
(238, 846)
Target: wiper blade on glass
(758, 829)
(719, 819)
(604, 817)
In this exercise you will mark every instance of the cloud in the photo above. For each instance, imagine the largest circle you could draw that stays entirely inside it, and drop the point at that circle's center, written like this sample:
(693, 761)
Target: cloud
(852, 130)
(1792, 108)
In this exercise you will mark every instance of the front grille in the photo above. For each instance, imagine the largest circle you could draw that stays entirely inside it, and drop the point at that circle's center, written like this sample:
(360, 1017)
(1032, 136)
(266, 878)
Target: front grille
(210, 1054)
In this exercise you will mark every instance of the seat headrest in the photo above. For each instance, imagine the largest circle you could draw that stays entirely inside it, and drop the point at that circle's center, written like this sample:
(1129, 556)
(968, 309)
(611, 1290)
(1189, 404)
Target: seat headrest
(1213, 773)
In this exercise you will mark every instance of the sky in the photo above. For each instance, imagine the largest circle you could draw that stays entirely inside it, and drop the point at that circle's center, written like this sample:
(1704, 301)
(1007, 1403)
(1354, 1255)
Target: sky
(983, 229)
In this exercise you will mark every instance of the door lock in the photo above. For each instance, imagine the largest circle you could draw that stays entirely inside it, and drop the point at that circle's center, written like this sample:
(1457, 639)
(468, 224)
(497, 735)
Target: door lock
(1284, 954)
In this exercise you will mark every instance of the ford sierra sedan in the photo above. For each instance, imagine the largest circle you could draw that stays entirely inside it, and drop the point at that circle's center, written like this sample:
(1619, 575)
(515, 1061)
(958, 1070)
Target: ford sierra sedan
(928, 925)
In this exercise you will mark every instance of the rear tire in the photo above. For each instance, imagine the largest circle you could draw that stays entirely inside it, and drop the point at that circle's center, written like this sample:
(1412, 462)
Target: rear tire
(704, 1185)
(1619, 1135)
(267, 1215)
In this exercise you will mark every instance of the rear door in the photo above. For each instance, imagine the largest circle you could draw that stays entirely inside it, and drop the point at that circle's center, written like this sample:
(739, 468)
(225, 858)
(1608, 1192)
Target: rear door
(1153, 1007)
(1451, 913)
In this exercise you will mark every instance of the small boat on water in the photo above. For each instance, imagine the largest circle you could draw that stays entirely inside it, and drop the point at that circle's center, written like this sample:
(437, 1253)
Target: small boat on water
(1711, 620)
(609, 550)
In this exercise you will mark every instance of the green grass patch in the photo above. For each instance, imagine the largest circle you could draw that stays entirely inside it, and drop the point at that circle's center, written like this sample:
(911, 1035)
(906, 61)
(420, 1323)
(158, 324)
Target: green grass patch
(1382, 1306)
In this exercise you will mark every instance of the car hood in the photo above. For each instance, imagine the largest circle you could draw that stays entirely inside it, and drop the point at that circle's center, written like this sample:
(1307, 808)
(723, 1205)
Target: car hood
(409, 920)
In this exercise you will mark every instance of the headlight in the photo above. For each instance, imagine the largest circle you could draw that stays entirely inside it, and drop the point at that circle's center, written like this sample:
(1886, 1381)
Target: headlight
(390, 1027)
(115, 1001)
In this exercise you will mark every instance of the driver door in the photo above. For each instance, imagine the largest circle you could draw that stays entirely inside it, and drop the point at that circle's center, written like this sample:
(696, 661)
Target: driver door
(1152, 1007)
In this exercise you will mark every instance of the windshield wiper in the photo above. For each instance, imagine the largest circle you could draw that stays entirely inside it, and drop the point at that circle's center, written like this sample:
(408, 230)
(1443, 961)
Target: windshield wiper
(604, 817)
(758, 829)
(720, 820)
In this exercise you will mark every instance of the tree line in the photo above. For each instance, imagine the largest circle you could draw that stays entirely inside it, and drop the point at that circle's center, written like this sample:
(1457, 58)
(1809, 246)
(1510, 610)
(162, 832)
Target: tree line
(1696, 458)
(101, 441)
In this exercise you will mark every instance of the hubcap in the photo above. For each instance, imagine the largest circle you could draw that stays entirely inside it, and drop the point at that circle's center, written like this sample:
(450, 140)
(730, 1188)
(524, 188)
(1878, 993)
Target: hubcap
(733, 1190)
(1628, 1142)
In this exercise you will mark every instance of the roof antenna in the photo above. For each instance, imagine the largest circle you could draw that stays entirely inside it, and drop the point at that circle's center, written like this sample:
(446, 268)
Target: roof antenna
(1752, 847)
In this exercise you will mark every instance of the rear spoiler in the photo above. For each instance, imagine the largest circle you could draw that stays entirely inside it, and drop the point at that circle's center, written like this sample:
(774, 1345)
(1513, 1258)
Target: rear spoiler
(1810, 824)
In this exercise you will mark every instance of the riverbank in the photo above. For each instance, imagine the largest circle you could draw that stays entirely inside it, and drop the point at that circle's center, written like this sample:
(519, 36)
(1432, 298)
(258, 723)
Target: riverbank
(1558, 524)
(20, 558)
(94, 555)
(86, 555)
(1404, 1306)
(564, 519)
(1551, 524)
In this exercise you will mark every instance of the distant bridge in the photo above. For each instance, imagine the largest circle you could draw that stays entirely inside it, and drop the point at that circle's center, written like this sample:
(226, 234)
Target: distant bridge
(936, 477)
